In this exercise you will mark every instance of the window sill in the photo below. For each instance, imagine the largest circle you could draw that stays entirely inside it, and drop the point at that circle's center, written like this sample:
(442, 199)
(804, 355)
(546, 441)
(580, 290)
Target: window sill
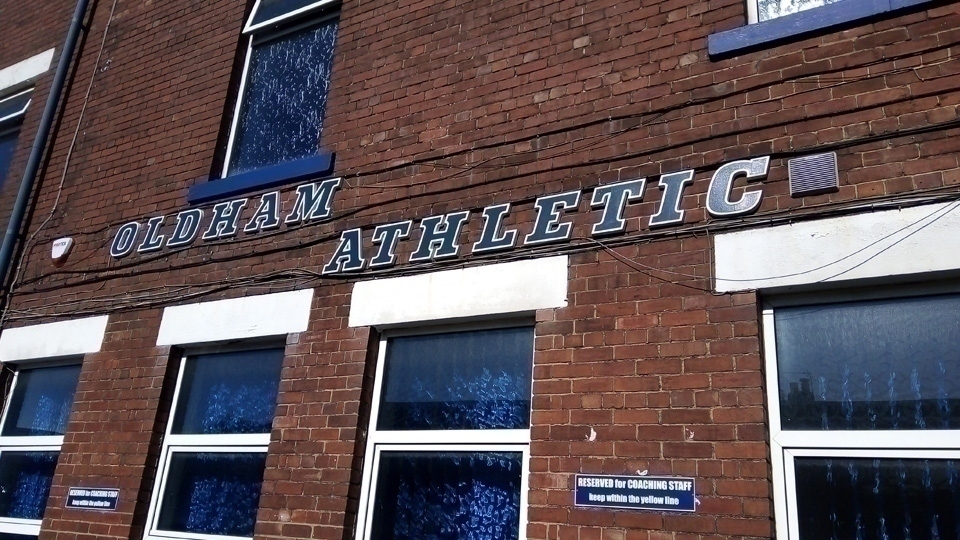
(260, 179)
(793, 26)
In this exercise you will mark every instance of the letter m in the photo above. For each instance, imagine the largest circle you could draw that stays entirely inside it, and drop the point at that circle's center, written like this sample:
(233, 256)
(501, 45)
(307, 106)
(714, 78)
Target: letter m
(314, 201)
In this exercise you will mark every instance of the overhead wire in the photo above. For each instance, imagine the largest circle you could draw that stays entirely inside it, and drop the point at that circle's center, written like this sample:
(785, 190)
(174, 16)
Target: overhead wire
(298, 242)
(936, 215)
(610, 119)
(842, 144)
(326, 237)
(587, 142)
(166, 294)
(372, 172)
(660, 149)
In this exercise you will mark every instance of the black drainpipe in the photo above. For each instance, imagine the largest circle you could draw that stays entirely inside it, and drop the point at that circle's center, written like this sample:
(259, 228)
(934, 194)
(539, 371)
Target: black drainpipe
(39, 142)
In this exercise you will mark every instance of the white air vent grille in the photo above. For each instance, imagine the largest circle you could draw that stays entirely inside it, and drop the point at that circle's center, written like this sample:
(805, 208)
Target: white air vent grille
(811, 175)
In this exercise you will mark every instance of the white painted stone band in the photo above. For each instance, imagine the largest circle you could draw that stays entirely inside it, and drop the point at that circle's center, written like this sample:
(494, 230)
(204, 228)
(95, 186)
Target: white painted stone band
(496, 289)
(53, 340)
(25, 70)
(237, 318)
(906, 241)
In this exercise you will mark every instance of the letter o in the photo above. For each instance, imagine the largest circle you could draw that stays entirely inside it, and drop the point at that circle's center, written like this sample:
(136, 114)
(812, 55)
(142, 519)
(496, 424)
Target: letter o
(124, 241)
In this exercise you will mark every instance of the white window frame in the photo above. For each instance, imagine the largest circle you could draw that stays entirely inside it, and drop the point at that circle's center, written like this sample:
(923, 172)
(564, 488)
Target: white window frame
(194, 444)
(785, 445)
(467, 440)
(43, 443)
(250, 27)
(10, 124)
(16, 115)
(16, 80)
(790, 455)
(263, 32)
(753, 11)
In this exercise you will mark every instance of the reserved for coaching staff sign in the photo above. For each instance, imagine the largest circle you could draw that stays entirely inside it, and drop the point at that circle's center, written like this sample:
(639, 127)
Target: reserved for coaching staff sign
(659, 493)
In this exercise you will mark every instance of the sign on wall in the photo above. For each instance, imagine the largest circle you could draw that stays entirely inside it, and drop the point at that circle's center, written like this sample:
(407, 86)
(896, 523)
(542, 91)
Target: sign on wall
(659, 493)
(439, 235)
(93, 498)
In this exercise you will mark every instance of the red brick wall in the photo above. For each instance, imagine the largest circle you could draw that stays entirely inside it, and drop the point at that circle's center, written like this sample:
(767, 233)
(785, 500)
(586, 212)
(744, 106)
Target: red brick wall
(438, 107)
(113, 435)
(522, 112)
(667, 378)
(313, 454)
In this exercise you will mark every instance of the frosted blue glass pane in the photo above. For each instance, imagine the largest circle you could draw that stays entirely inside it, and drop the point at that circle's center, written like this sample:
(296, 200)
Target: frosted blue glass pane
(888, 364)
(8, 143)
(281, 115)
(229, 393)
(839, 499)
(41, 401)
(212, 493)
(271, 9)
(448, 496)
(25, 479)
(459, 380)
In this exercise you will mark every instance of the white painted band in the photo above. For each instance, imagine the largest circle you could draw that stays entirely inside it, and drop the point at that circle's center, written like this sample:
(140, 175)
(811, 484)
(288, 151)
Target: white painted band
(53, 340)
(236, 318)
(507, 288)
(906, 241)
(23, 71)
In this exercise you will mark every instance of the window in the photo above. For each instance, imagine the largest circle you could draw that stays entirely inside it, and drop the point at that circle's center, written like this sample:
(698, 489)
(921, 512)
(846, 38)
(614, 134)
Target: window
(275, 134)
(215, 447)
(283, 96)
(34, 421)
(12, 109)
(280, 114)
(772, 22)
(864, 401)
(449, 436)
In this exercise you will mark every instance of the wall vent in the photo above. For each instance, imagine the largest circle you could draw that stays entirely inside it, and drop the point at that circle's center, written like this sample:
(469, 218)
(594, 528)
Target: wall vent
(812, 175)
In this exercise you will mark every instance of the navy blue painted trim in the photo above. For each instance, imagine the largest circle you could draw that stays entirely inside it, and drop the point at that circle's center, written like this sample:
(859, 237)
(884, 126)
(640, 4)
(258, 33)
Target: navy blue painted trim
(277, 175)
(767, 33)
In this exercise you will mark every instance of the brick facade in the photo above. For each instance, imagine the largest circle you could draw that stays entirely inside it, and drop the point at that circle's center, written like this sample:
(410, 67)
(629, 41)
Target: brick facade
(438, 107)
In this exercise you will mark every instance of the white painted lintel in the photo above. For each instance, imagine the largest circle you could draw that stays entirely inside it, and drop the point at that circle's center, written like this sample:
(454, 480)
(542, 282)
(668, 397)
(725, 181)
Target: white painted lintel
(495, 289)
(53, 340)
(249, 317)
(918, 240)
(25, 70)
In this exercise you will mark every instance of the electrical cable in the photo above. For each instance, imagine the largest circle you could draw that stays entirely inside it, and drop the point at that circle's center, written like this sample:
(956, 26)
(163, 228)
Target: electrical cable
(648, 270)
(641, 123)
(842, 144)
(380, 205)
(664, 110)
(663, 148)
(164, 295)
(817, 210)
(941, 211)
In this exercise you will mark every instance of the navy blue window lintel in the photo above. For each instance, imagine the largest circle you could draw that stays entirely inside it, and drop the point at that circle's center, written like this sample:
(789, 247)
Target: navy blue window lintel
(261, 179)
(796, 25)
